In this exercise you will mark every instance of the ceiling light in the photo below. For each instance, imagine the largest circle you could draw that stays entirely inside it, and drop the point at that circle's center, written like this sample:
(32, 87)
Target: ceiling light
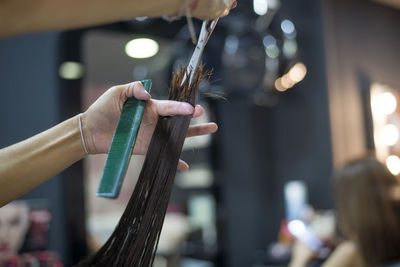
(141, 48)
(279, 86)
(71, 70)
(287, 82)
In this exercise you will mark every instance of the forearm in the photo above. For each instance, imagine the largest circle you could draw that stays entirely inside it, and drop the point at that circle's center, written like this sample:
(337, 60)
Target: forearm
(20, 16)
(29, 163)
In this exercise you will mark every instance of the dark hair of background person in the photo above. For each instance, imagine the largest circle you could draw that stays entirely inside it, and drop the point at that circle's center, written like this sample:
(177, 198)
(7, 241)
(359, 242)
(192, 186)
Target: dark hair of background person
(368, 213)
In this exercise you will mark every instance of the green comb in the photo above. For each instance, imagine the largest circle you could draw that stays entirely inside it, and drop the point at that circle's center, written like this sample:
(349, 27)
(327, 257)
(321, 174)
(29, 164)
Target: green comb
(122, 143)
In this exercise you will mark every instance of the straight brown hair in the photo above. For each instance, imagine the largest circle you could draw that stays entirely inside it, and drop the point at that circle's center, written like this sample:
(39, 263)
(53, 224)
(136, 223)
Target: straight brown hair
(367, 212)
(135, 239)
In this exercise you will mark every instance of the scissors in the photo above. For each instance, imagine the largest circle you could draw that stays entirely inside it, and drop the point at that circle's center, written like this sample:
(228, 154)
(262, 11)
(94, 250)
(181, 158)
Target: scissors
(129, 122)
(206, 30)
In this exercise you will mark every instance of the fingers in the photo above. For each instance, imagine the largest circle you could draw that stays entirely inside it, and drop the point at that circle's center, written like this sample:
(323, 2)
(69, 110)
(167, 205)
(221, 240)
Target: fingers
(202, 129)
(183, 166)
(136, 90)
(195, 130)
(198, 111)
(164, 107)
(170, 108)
(234, 5)
(211, 9)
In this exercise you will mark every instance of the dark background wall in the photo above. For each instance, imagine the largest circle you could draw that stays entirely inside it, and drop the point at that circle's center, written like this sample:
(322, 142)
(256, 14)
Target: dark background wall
(346, 45)
(29, 96)
(262, 148)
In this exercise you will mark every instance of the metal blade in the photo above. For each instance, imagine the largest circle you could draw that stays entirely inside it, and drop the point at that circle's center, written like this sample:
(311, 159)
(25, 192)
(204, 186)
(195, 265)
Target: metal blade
(206, 30)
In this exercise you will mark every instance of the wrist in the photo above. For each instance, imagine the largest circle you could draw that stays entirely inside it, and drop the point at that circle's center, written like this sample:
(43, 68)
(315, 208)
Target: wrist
(86, 138)
(81, 132)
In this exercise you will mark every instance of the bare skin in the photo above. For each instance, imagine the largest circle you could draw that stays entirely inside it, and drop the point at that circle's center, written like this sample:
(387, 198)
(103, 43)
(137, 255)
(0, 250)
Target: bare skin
(20, 16)
(29, 163)
(345, 255)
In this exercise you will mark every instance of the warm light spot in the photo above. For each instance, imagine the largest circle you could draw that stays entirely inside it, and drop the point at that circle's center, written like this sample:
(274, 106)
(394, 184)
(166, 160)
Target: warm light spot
(297, 72)
(385, 104)
(141, 48)
(287, 82)
(389, 134)
(393, 164)
(279, 86)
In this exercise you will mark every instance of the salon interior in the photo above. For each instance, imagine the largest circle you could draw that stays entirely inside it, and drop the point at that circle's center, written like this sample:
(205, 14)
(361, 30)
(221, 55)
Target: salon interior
(298, 88)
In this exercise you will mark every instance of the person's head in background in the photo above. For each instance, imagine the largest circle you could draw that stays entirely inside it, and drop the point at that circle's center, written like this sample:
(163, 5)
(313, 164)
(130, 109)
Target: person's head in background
(368, 209)
(14, 224)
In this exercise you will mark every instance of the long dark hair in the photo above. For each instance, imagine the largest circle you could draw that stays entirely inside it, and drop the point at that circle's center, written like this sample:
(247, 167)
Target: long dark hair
(134, 241)
(367, 212)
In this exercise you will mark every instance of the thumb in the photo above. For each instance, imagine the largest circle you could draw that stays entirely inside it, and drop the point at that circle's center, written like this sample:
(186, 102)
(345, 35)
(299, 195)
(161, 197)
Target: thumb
(136, 90)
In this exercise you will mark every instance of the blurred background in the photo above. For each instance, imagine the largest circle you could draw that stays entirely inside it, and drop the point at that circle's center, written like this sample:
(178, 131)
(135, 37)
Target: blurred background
(306, 86)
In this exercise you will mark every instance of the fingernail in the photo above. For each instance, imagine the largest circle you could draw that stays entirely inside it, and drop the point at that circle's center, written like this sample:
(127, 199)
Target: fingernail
(146, 94)
(216, 126)
(198, 111)
(187, 108)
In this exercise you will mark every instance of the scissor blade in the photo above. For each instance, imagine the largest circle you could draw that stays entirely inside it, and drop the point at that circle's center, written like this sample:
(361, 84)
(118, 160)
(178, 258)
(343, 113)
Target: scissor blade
(206, 30)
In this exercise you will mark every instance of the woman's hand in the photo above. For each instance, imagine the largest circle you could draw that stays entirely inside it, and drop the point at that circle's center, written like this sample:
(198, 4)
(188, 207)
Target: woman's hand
(209, 9)
(100, 120)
